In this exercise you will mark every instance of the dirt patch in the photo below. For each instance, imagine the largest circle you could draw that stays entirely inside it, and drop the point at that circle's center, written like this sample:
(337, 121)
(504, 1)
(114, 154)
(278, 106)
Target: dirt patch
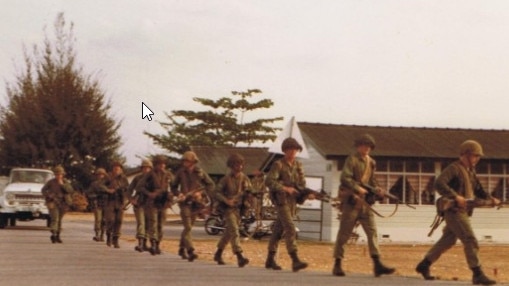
(451, 266)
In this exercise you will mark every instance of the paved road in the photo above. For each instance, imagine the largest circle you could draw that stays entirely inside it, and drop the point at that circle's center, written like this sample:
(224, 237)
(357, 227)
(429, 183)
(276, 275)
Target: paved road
(28, 258)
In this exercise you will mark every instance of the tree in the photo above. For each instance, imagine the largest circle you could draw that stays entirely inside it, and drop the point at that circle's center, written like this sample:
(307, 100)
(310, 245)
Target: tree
(219, 126)
(56, 115)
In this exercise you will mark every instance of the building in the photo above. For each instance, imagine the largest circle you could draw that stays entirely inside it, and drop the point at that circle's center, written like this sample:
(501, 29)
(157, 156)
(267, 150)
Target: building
(408, 160)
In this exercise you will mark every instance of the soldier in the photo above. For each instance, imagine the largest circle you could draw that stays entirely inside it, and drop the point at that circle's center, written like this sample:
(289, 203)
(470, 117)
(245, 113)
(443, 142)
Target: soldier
(96, 196)
(284, 178)
(116, 199)
(358, 170)
(459, 184)
(154, 186)
(137, 200)
(189, 183)
(231, 191)
(58, 195)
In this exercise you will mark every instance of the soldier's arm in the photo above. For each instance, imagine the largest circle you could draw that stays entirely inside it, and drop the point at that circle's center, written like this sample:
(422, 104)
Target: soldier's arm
(443, 180)
(272, 179)
(347, 176)
(219, 190)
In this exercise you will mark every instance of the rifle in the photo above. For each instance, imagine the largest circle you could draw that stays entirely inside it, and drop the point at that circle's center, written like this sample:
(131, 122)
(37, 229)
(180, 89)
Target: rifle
(373, 192)
(303, 194)
(187, 197)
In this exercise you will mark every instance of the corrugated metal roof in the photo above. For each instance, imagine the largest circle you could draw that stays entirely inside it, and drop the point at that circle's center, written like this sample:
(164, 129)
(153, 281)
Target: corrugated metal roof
(213, 159)
(337, 140)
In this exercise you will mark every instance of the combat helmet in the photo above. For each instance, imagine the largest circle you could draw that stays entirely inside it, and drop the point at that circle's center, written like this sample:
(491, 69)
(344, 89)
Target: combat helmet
(290, 143)
(58, 170)
(190, 156)
(99, 171)
(156, 160)
(365, 139)
(471, 147)
(234, 159)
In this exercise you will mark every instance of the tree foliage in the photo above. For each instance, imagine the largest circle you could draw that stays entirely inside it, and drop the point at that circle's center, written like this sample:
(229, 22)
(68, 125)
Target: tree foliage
(220, 125)
(55, 114)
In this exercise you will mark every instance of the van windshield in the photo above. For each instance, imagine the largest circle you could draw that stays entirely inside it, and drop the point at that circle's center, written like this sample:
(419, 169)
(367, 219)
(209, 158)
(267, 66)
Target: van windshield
(30, 176)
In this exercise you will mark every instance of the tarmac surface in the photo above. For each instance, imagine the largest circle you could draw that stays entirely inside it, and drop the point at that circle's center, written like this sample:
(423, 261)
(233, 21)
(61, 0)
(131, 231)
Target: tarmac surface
(27, 257)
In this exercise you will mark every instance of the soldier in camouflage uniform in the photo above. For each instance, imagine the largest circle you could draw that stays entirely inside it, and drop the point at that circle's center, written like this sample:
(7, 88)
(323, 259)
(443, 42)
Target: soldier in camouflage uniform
(137, 200)
(459, 184)
(188, 185)
(284, 178)
(231, 191)
(359, 168)
(96, 196)
(116, 200)
(154, 186)
(58, 195)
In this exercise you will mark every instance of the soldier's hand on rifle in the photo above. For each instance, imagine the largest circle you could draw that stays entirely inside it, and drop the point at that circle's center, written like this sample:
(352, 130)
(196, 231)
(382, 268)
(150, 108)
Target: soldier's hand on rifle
(289, 190)
(311, 197)
(496, 202)
(461, 201)
(380, 192)
(230, 202)
(197, 196)
(362, 191)
(111, 191)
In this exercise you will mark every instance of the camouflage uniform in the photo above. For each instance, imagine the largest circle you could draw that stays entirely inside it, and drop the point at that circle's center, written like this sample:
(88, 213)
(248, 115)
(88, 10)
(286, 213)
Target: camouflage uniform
(283, 174)
(114, 208)
(357, 170)
(233, 187)
(97, 195)
(154, 186)
(458, 179)
(58, 199)
(187, 181)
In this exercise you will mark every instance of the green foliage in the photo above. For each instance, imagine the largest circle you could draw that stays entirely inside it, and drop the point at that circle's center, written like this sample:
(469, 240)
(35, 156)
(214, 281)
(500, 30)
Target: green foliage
(55, 114)
(219, 126)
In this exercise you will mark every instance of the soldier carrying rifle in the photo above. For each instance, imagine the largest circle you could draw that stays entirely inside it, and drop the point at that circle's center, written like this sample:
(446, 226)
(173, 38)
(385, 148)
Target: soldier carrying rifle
(359, 170)
(114, 208)
(188, 179)
(231, 191)
(458, 183)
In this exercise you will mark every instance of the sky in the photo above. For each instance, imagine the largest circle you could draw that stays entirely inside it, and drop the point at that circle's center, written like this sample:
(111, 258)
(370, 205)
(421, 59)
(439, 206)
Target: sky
(437, 64)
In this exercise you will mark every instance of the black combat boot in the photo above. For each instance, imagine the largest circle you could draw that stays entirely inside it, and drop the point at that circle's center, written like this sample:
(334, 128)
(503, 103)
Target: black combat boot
(423, 269)
(108, 239)
(140, 247)
(270, 263)
(241, 260)
(296, 263)
(96, 237)
(153, 246)
(53, 237)
(479, 278)
(191, 256)
(57, 238)
(218, 256)
(379, 268)
(158, 250)
(337, 270)
(182, 253)
(115, 242)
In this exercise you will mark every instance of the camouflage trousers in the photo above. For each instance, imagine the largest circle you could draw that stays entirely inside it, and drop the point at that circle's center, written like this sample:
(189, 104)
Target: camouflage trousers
(188, 218)
(284, 227)
(56, 214)
(457, 227)
(113, 217)
(231, 233)
(155, 218)
(350, 214)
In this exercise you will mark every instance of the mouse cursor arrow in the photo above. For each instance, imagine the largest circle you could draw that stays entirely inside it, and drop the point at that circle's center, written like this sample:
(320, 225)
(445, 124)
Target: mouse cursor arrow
(146, 112)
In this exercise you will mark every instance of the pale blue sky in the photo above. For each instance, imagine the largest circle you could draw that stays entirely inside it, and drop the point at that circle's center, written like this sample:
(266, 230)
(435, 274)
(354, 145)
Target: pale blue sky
(365, 62)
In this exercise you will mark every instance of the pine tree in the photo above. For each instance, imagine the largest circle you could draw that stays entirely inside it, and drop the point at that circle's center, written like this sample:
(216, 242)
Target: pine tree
(57, 115)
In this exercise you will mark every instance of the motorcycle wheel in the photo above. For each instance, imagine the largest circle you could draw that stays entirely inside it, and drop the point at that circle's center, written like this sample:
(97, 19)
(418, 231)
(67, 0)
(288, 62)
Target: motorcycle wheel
(211, 226)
